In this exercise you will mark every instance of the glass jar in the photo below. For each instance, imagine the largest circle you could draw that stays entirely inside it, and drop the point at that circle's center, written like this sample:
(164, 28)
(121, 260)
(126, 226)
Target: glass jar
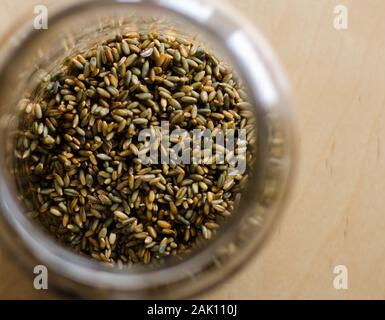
(28, 55)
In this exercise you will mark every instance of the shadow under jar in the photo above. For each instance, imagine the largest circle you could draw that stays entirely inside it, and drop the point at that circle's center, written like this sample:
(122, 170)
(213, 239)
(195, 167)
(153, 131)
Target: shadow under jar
(30, 57)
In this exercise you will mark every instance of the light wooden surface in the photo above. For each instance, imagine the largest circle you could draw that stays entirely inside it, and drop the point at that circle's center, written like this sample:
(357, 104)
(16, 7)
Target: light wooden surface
(337, 211)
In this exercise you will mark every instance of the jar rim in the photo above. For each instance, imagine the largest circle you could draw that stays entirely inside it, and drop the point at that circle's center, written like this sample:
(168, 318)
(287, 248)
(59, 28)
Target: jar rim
(261, 71)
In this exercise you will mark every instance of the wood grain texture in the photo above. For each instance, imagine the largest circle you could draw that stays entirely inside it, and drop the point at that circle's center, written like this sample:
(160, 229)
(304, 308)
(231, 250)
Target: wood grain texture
(336, 213)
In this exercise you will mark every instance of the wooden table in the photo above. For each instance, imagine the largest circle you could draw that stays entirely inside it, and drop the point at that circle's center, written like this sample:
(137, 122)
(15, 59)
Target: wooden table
(336, 215)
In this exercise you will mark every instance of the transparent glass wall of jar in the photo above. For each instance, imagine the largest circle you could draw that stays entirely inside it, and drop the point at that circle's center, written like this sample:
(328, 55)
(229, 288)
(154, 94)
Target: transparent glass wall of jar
(28, 55)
